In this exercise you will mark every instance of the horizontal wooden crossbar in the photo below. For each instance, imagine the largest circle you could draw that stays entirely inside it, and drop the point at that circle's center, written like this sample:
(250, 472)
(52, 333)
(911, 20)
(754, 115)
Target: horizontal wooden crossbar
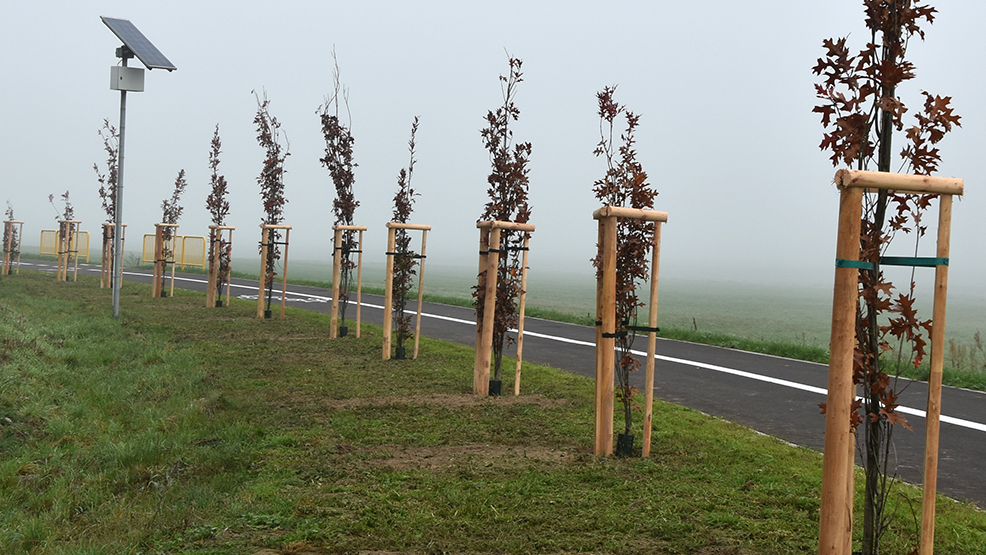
(418, 227)
(630, 213)
(221, 227)
(510, 226)
(273, 226)
(350, 227)
(899, 182)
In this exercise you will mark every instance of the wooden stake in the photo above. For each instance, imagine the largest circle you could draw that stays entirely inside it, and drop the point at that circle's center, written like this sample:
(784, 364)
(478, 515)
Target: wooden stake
(836, 503)
(932, 422)
(214, 246)
(264, 246)
(229, 277)
(520, 313)
(359, 282)
(481, 379)
(604, 374)
(484, 248)
(104, 266)
(284, 267)
(336, 275)
(421, 291)
(655, 267)
(174, 252)
(388, 292)
(158, 262)
(598, 424)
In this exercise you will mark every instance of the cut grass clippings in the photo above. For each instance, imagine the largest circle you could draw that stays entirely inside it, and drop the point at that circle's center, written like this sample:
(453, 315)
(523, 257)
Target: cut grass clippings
(181, 429)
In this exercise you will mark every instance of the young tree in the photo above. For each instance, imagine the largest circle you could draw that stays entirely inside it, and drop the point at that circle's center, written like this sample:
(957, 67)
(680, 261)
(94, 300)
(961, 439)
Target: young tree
(107, 189)
(338, 160)
(107, 181)
(624, 185)
(508, 187)
(404, 271)
(218, 207)
(860, 113)
(171, 213)
(271, 181)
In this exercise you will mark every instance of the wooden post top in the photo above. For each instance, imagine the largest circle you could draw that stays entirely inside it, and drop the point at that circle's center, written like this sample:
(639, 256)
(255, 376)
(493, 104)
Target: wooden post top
(609, 211)
(222, 227)
(901, 182)
(398, 225)
(499, 224)
(13, 222)
(274, 226)
(350, 227)
(165, 225)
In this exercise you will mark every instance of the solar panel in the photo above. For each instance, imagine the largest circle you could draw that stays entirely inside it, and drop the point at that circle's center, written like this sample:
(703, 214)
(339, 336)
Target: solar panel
(133, 39)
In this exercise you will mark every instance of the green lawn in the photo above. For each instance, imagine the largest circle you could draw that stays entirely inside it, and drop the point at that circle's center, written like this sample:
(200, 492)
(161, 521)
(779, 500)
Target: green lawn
(180, 429)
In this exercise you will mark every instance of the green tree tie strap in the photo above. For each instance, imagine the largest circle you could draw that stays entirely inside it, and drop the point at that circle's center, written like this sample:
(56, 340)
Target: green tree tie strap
(862, 265)
(923, 262)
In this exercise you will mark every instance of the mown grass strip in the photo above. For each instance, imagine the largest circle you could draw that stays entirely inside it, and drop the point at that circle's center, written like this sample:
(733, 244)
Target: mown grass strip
(180, 429)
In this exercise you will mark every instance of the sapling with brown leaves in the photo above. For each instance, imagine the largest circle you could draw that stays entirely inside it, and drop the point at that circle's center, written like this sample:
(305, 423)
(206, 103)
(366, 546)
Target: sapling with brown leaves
(508, 185)
(624, 185)
(107, 186)
(218, 206)
(271, 181)
(404, 259)
(107, 181)
(338, 160)
(171, 213)
(860, 112)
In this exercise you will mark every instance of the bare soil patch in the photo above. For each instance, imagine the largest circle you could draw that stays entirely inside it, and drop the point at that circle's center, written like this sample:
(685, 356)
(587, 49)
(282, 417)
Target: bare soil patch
(400, 457)
(444, 400)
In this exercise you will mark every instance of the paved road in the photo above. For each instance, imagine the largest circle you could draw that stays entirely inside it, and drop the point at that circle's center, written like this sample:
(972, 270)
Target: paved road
(773, 395)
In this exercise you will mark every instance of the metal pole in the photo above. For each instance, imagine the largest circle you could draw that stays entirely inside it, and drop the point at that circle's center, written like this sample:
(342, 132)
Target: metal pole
(118, 232)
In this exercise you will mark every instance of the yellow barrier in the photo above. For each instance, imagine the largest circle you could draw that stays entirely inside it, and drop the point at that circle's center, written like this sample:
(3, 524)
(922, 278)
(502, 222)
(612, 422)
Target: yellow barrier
(189, 250)
(49, 243)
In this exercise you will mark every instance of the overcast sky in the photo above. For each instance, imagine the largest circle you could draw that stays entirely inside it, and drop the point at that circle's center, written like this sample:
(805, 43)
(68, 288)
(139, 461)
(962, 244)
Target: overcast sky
(724, 88)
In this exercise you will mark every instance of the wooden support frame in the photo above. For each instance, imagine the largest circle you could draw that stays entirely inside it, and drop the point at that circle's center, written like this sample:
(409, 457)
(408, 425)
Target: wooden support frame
(388, 310)
(835, 521)
(608, 218)
(337, 247)
(106, 258)
(161, 261)
(265, 244)
(67, 248)
(489, 261)
(215, 245)
(12, 250)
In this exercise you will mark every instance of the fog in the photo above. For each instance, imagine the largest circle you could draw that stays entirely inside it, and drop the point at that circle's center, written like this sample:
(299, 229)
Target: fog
(725, 91)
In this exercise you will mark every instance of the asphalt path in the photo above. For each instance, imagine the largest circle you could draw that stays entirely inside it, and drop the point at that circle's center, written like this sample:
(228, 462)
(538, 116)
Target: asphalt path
(772, 395)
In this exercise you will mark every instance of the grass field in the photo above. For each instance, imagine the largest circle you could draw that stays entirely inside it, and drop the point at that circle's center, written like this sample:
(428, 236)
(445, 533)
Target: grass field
(179, 429)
